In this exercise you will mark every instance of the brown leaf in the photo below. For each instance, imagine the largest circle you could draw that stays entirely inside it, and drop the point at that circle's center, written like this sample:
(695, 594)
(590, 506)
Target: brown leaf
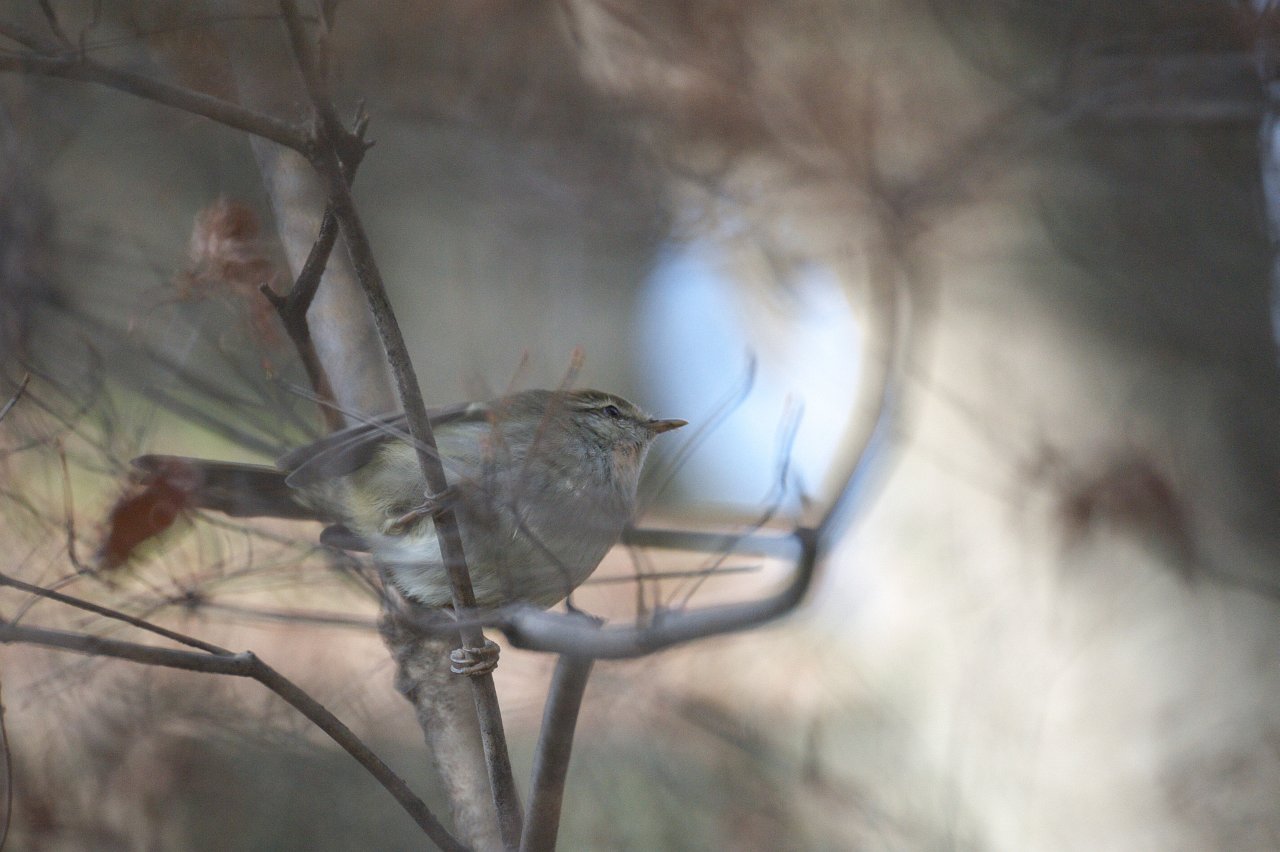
(148, 508)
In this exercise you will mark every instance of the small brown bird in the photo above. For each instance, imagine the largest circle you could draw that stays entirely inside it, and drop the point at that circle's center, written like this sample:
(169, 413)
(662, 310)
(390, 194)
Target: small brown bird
(542, 483)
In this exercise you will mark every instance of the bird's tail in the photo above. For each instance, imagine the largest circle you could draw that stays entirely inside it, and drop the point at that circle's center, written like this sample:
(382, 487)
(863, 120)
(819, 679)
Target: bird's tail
(238, 490)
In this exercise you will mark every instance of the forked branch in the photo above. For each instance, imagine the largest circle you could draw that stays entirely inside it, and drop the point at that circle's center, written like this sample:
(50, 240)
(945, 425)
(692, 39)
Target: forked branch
(328, 161)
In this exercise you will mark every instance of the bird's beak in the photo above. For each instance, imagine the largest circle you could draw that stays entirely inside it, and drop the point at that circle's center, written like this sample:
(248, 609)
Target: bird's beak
(657, 427)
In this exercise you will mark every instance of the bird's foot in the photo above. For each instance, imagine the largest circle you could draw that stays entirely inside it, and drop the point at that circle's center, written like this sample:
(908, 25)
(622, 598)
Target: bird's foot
(574, 609)
(431, 505)
(474, 662)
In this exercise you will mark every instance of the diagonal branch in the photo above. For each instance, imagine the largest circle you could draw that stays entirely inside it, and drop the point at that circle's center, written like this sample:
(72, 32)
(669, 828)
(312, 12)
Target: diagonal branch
(292, 309)
(45, 62)
(246, 665)
(55, 26)
(17, 395)
(115, 614)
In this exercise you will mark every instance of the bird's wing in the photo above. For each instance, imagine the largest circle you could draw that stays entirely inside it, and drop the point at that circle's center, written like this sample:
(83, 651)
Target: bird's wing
(347, 450)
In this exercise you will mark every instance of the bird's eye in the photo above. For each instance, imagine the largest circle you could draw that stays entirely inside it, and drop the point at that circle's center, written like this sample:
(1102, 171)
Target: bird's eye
(613, 411)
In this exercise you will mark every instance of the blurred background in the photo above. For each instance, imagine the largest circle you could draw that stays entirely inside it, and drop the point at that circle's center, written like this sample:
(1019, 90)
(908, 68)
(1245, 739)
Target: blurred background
(1041, 233)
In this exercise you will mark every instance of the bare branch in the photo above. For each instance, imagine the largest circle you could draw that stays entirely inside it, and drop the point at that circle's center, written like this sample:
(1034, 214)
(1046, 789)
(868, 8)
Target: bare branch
(243, 665)
(555, 745)
(8, 777)
(113, 614)
(691, 574)
(68, 510)
(17, 395)
(292, 309)
(757, 544)
(537, 630)
(329, 162)
(54, 26)
(197, 103)
(788, 429)
(26, 38)
(292, 616)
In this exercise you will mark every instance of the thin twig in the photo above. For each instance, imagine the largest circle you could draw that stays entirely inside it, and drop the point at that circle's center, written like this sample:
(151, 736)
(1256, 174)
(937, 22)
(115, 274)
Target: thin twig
(292, 309)
(27, 38)
(555, 746)
(328, 162)
(655, 484)
(8, 776)
(692, 573)
(70, 423)
(294, 616)
(247, 665)
(734, 397)
(114, 614)
(533, 629)
(188, 100)
(13, 400)
(69, 509)
(787, 431)
(198, 414)
(252, 428)
(54, 26)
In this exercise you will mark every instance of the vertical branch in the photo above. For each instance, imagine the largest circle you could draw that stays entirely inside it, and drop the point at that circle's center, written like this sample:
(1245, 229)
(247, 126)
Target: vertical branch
(331, 150)
(1267, 49)
(8, 777)
(555, 745)
(446, 713)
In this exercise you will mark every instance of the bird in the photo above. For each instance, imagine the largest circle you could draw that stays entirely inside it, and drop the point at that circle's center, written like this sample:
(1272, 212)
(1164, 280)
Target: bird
(541, 482)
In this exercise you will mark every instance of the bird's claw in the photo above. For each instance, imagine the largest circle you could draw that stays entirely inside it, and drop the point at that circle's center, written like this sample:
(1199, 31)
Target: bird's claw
(574, 609)
(474, 662)
(431, 505)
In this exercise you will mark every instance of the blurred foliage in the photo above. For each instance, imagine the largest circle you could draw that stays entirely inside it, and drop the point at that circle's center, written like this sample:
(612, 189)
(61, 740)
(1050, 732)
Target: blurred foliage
(532, 164)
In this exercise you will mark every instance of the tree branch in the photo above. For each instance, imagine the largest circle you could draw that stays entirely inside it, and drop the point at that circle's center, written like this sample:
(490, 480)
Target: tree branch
(328, 160)
(534, 629)
(292, 309)
(78, 67)
(114, 614)
(555, 746)
(17, 395)
(246, 665)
